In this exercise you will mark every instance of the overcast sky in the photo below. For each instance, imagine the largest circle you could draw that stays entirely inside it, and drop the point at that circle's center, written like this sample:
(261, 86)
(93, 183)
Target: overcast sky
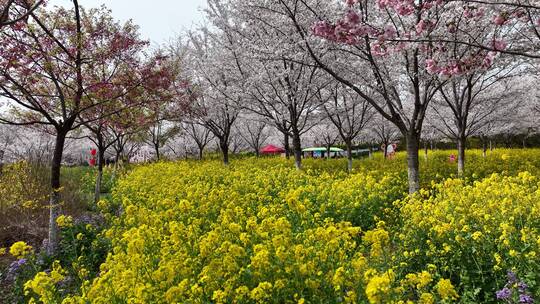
(160, 20)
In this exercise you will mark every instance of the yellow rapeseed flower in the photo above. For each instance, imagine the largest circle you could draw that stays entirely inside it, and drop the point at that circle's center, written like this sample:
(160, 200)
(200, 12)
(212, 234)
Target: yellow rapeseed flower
(446, 290)
(64, 221)
(20, 250)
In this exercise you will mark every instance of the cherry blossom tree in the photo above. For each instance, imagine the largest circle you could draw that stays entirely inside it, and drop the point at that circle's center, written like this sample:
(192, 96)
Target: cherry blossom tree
(198, 134)
(325, 134)
(277, 83)
(514, 23)
(217, 76)
(45, 79)
(14, 11)
(384, 132)
(254, 132)
(119, 77)
(7, 138)
(467, 103)
(288, 95)
(405, 46)
(350, 114)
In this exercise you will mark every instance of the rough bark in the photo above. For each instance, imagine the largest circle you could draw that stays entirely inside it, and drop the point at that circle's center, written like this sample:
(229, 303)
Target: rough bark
(201, 150)
(348, 145)
(99, 176)
(287, 145)
(461, 142)
(224, 146)
(413, 141)
(156, 148)
(297, 147)
(327, 152)
(55, 198)
(1, 161)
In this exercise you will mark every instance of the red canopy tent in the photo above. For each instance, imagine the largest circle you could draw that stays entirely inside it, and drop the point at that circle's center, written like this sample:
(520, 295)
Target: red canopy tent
(271, 149)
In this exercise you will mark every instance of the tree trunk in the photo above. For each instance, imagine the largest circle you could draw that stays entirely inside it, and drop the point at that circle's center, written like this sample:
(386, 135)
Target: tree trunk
(385, 152)
(287, 145)
(348, 144)
(412, 161)
(223, 145)
(156, 148)
(257, 154)
(116, 158)
(327, 152)
(297, 147)
(426, 150)
(99, 177)
(461, 142)
(54, 208)
(1, 161)
(490, 145)
(484, 148)
(201, 150)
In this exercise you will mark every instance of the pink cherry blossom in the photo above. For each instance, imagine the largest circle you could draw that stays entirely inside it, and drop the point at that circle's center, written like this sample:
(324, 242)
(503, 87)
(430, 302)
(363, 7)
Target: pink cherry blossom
(431, 66)
(499, 45)
(353, 18)
(499, 20)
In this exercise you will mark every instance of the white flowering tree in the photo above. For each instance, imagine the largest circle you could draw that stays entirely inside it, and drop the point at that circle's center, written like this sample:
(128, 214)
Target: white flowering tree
(218, 80)
(199, 135)
(349, 113)
(283, 85)
(402, 50)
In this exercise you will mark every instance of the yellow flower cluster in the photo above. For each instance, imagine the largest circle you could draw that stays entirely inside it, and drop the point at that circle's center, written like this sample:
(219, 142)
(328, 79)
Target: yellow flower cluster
(64, 221)
(475, 231)
(20, 250)
(244, 234)
(43, 285)
(260, 231)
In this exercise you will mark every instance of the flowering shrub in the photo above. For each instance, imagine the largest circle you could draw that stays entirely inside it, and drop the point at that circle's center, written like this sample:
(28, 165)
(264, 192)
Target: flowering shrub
(514, 291)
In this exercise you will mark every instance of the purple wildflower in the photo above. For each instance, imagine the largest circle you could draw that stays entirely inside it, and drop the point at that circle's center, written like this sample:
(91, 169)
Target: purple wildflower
(14, 268)
(512, 278)
(522, 286)
(504, 294)
(526, 299)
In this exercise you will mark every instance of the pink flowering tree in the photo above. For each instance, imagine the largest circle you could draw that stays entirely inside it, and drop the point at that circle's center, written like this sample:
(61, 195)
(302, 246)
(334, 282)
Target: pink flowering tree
(15, 11)
(47, 67)
(514, 23)
(117, 75)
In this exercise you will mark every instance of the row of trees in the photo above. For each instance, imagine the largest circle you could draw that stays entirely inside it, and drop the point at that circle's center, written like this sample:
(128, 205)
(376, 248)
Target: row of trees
(460, 67)
(62, 69)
